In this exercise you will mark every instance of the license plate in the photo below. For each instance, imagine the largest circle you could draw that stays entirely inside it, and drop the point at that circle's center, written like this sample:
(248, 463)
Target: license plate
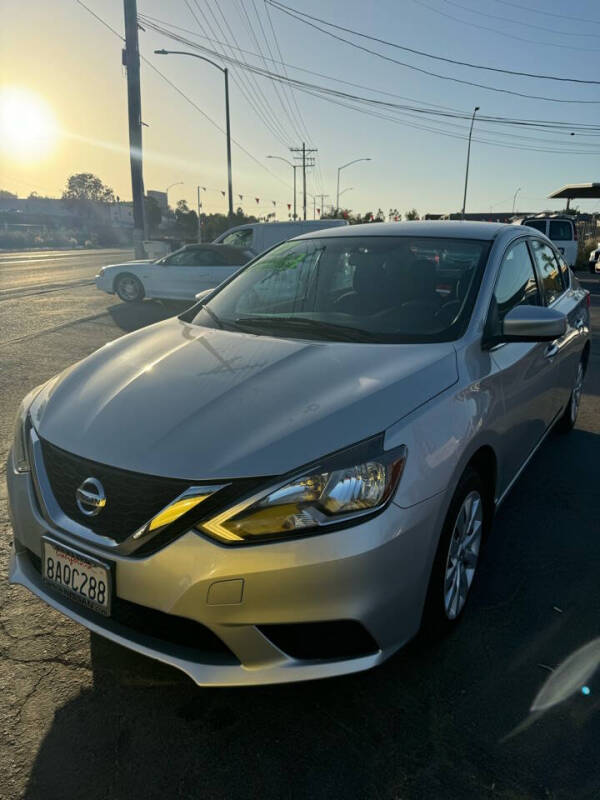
(79, 577)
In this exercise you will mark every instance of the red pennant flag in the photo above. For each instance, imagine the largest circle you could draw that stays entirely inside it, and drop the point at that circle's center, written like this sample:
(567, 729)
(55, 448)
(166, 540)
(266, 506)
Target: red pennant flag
(274, 202)
(241, 196)
(318, 210)
(257, 200)
(289, 205)
(223, 193)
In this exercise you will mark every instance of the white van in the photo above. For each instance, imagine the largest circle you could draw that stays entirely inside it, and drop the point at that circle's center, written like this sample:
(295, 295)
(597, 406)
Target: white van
(562, 231)
(260, 236)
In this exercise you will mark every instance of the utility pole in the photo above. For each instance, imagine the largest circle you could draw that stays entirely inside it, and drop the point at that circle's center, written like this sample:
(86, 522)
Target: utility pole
(322, 196)
(310, 163)
(131, 60)
(475, 110)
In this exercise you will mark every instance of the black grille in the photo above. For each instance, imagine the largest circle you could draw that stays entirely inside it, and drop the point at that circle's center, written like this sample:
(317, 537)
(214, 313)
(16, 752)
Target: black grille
(131, 498)
(189, 639)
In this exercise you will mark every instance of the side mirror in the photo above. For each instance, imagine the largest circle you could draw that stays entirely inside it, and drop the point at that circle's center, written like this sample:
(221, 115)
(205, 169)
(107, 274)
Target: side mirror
(201, 295)
(532, 324)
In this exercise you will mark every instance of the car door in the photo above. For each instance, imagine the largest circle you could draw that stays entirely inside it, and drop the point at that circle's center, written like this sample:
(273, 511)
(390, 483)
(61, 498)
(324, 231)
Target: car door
(171, 275)
(526, 372)
(557, 292)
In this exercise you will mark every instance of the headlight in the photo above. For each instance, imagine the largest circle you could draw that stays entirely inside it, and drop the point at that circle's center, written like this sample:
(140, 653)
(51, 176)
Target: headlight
(101, 271)
(22, 426)
(333, 493)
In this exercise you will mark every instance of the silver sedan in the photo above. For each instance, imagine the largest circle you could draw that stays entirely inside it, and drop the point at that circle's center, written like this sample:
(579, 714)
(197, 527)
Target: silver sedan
(295, 476)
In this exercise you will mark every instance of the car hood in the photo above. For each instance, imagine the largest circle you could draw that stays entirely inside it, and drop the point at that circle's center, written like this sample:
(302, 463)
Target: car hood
(185, 401)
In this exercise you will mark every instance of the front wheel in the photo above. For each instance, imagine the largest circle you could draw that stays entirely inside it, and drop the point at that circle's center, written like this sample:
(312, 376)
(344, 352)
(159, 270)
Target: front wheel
(567, 422)
(129, 288)
(457, 557)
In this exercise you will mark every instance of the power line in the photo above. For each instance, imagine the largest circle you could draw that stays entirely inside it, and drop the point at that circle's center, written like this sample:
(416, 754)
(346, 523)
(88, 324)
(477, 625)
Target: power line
(520, 22)
(263, 102)
(163, 27)
(548, 13)
(275, 88)
(247, 90)
(435, 74)
(300, 14)
(186, 98)
(495, 30)
(564, 127)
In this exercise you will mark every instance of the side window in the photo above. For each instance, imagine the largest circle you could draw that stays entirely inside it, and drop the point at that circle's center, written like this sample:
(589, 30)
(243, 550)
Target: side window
(564, 268)
(239, 238)
(561, 230)
(177, 259)
(552, 283)
(538, 224)
(516, 284)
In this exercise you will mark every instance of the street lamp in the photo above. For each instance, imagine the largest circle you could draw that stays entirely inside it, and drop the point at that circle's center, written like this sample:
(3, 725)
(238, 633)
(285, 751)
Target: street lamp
(475, 110)
(515, 199)
(337, 196)
(227, 124)
(349, 189)
(294, 167)
(170, 186)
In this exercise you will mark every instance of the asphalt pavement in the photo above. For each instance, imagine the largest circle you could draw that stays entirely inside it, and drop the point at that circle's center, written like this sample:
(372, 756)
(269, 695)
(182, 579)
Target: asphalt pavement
(82, 717)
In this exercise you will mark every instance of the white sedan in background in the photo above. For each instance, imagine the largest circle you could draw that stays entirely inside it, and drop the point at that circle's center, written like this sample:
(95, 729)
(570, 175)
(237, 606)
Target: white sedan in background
(178, 276)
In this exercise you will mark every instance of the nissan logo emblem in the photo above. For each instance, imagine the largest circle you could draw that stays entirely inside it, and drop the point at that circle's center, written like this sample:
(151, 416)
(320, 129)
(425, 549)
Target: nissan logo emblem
(90, 497)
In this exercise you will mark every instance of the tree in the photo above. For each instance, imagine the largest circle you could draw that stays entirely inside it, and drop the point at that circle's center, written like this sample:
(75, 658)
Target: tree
(5, 195)
(84, 186)
(153, 214)
(186, 221)
(412, 214)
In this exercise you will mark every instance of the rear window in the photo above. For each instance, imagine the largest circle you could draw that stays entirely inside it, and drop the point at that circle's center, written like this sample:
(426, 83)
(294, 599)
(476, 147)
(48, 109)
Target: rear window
(561, 230)
(538, 224)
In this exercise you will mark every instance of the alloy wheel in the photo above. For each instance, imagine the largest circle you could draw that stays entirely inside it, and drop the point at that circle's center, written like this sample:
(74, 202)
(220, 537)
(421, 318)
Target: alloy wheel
(463, 554)
(128, 288)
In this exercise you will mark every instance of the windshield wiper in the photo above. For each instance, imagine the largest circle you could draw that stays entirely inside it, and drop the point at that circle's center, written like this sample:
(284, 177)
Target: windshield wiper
(213, 316)
(344, 333)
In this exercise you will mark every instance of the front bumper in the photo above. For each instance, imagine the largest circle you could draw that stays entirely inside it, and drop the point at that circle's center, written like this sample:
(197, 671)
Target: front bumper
(104, 283)
(374, 574)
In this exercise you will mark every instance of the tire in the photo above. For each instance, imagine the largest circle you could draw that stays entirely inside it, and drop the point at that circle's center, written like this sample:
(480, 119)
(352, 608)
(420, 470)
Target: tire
(457, 558)
(567, 422)
(129, 288)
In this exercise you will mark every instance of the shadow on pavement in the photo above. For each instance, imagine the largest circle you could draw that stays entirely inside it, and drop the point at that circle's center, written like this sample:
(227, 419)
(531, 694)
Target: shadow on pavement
(132, 316)
(447, 720)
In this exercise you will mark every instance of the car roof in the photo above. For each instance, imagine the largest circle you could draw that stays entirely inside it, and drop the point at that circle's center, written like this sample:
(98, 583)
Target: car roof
(450, 229)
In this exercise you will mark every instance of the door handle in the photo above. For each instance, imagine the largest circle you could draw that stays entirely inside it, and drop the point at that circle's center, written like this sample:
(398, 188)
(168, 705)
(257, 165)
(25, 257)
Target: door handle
(580, 325)
(551, 350)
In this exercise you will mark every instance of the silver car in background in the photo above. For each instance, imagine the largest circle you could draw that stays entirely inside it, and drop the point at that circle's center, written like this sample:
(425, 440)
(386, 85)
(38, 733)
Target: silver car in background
(297, 474)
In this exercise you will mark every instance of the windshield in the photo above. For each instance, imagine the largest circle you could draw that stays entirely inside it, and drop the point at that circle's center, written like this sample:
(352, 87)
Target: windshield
(370, 289)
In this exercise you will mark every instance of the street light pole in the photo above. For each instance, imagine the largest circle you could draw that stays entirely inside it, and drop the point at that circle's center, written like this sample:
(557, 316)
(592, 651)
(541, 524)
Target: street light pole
(170, 186)
(337, 195)
(294, 167)
(475, 110)
(227, 121)
(515, 199)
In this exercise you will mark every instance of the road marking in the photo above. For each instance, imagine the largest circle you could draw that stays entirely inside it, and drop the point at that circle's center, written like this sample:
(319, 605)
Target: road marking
(28, 291)
(55, 328)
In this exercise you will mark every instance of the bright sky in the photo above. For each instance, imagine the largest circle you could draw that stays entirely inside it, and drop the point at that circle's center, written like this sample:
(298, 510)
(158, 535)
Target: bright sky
(63, 101)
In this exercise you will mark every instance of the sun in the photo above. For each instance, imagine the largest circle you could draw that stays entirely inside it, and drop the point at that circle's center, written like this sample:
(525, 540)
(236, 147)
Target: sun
(28, 129)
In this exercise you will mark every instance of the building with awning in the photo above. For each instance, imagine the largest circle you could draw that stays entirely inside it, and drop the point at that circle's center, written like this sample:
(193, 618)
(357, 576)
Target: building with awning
(577, 191)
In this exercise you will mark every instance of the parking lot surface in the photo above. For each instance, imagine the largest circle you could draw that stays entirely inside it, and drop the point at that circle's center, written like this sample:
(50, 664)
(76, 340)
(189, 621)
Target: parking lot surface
(81, 717)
